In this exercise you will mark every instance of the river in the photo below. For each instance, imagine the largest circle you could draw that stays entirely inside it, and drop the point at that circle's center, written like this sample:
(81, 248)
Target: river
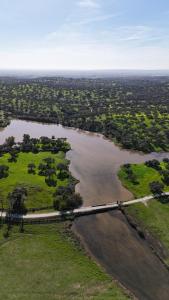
(108, 237)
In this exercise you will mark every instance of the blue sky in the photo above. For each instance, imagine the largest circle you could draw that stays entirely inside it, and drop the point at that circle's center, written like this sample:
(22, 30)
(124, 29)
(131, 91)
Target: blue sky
(84, 34)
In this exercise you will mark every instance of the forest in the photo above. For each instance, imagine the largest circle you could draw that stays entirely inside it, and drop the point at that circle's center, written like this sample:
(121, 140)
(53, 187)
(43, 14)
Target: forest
(134, 112)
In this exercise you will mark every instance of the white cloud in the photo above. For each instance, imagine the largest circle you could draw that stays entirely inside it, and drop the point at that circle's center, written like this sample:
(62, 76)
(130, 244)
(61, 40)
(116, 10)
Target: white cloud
(88, 4)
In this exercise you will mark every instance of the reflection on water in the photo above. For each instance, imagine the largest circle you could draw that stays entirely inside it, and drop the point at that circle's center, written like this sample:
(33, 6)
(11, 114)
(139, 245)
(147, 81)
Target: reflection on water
(95, 162)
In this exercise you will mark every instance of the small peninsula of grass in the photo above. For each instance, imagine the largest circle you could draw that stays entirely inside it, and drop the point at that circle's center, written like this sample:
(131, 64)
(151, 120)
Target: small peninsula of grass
(45, 263)
(39, 193)
(153, 216)
(39, 168)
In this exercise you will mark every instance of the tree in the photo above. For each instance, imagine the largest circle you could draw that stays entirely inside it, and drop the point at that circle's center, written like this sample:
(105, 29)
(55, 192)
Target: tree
(10, 141)
(64, 191)
(4, 171)
(50, 180)
(16, 200)
(66, 199)
(26, 138)
(63, 170)
(74, 201)
(154, 163)
(31, 168)
(166, 160)
(42, 169)
(49, 161)
(165, 174)
(59, 203)
(130, 175)
(156, 188)
(13, 156)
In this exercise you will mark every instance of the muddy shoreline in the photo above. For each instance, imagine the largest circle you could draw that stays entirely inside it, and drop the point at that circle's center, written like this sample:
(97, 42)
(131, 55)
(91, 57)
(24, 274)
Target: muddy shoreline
(127, 256)
(157, 247)
(71, 230)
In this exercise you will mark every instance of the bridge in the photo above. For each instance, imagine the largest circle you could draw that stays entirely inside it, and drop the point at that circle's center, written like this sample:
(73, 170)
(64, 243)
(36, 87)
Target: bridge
(82, 211)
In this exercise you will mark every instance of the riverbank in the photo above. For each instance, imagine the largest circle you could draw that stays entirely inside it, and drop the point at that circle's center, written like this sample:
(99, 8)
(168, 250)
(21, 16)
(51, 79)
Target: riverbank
(156, 239)
(126, 256)
(151, 219)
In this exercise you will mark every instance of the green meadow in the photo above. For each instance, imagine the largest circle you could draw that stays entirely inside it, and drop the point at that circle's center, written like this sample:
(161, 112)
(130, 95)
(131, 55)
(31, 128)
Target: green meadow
(144, 175)
(39, 193)
(46, 263)
(154, 215)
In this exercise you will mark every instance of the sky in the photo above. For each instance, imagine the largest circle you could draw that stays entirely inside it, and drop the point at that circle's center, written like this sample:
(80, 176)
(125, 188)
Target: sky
(84, 34)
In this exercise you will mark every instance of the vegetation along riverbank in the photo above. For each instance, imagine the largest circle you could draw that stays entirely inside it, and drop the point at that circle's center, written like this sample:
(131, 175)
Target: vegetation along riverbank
(152, 218)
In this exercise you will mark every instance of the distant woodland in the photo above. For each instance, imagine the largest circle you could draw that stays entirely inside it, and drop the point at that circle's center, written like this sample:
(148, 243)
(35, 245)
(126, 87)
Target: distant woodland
(134, 112)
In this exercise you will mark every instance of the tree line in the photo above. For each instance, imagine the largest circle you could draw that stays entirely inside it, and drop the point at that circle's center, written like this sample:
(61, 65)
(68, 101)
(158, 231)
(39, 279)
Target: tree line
(132, 111)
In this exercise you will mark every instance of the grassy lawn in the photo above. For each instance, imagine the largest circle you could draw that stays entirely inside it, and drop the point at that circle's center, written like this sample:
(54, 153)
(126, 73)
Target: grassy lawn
(39, 193)
(153, 216)
(45, 263)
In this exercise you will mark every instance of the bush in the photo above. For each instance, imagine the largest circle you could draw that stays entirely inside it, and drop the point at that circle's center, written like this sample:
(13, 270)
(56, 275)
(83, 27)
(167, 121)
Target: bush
(154, 163)
(65, 199)
(156, 187)
(51, 182)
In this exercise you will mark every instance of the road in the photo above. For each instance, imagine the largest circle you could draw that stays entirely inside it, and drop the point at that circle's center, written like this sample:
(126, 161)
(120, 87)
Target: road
(80, 211)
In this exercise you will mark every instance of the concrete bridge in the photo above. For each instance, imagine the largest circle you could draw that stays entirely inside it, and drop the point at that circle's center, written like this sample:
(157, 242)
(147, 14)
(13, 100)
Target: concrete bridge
(88, 210)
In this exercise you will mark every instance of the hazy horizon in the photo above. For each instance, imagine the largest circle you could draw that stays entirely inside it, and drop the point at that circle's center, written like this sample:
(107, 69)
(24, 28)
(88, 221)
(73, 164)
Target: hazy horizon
(82, 73)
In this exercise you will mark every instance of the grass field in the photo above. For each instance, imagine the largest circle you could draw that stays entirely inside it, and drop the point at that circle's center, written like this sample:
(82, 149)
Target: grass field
(144, 175)
(39, 193)
(45, 263)
(153, 216)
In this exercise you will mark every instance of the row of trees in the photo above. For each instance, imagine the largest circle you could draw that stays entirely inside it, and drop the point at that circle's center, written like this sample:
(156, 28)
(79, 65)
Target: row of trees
(33, 145)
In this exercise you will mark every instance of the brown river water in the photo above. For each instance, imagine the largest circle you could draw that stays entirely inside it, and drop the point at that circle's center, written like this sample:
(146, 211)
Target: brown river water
(107, 236)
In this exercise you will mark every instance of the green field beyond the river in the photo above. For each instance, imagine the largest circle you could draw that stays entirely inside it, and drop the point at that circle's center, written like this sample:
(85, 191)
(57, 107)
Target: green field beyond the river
(39, 193)
(144, 175)
(154, 215)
